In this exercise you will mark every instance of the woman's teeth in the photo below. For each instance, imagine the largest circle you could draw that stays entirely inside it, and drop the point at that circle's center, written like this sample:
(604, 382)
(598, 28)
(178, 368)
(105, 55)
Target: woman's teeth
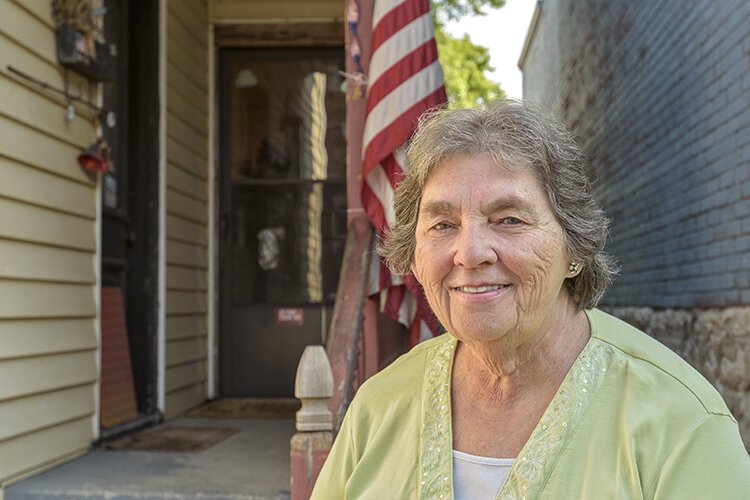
(479, 289)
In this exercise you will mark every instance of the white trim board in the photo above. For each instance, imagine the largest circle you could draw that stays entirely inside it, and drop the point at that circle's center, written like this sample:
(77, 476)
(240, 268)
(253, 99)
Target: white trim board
(162, 284)
(212, 211)
(96, 422)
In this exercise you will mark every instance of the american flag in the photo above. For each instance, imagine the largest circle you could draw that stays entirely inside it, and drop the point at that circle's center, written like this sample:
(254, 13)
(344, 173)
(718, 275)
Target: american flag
(405, 80)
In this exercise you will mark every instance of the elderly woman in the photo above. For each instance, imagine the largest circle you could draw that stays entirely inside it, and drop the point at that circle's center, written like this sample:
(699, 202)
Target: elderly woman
(532, 393)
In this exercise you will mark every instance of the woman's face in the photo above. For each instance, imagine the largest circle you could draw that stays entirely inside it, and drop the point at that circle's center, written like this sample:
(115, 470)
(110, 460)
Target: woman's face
(489, 252)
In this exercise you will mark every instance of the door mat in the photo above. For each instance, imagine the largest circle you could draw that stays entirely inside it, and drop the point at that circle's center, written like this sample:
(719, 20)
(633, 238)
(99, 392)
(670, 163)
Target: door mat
(271, 408)
(171, 439)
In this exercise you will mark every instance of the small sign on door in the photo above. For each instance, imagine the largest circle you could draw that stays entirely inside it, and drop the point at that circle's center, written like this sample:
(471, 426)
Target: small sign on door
(290, 316)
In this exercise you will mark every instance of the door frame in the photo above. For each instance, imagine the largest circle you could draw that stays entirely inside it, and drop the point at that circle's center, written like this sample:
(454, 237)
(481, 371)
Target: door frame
(142, 308)
(139, 103)
(246, 34)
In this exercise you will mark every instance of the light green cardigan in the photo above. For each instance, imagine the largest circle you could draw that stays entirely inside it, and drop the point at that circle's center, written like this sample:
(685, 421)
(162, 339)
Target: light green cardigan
(630, 420)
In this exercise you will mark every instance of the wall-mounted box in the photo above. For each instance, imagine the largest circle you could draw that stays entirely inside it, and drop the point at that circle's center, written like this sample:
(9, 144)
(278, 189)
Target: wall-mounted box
(73, 52)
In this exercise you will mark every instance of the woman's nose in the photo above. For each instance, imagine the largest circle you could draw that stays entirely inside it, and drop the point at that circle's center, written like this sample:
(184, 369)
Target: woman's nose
(474, 247)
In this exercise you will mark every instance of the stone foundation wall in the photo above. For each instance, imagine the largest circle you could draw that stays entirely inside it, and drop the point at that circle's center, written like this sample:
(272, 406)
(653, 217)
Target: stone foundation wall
(715, 341)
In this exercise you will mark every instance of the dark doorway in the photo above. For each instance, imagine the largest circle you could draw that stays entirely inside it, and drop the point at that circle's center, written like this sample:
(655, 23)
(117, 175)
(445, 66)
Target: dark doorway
(129, 216)
(283, 211)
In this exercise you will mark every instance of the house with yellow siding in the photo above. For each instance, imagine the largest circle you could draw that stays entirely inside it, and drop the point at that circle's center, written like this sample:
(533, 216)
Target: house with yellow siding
(206, 255)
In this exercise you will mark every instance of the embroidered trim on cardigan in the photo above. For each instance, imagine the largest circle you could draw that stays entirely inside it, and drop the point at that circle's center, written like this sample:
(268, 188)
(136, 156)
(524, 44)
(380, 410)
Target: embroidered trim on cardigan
(536, 459)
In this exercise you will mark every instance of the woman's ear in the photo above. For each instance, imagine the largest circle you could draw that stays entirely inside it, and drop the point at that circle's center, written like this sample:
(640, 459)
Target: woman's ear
(574, 268)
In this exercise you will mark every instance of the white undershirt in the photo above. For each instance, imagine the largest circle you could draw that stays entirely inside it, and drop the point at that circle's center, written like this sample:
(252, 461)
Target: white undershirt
(476, 477)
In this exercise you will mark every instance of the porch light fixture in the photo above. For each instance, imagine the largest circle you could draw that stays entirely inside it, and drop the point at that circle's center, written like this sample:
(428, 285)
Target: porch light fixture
(245, 79)
(95, 158)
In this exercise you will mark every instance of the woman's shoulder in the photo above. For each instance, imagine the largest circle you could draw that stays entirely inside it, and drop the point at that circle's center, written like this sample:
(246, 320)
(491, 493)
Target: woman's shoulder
(403, 378)
(659, 367)
(675, 426)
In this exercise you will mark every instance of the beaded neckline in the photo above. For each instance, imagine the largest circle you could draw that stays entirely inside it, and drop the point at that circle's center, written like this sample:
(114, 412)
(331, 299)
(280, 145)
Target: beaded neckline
(539, 454)
(436, 439)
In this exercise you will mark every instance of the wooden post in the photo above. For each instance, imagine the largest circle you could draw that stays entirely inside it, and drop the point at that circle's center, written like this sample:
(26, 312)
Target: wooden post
(314, 437)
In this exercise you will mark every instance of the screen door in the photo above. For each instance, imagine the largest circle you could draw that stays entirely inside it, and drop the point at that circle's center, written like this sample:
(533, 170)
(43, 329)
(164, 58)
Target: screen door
(283, 211)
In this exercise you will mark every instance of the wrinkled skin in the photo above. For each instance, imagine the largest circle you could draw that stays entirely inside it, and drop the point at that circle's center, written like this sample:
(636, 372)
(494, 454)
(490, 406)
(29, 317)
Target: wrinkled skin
(482, 224)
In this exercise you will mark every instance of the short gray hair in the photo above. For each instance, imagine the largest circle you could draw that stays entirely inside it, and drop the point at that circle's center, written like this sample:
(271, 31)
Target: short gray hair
(519, 135)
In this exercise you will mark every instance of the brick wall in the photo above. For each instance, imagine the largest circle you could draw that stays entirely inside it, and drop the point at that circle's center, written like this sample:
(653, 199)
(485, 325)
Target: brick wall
(658, 94)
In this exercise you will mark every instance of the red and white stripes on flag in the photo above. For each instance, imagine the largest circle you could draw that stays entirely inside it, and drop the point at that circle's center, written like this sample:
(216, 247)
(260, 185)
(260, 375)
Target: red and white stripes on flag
(405, 80)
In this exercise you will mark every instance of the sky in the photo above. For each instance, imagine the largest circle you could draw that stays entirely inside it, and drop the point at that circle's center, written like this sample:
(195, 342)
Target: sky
(503, 32)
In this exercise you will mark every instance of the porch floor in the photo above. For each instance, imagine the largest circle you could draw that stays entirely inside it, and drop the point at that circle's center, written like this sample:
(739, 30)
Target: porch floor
(253, 463)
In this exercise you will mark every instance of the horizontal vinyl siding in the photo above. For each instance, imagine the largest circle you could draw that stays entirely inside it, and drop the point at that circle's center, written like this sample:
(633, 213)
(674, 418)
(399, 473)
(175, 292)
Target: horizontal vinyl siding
(24, 338)
(20, 142)
(20, 260)
(186, 326)
(21, 453)
(180, 157)
(37, 187)
(25, 222)
(187, 206)
(47, 253)
(182, 179)
(39, 299)
(24, 415)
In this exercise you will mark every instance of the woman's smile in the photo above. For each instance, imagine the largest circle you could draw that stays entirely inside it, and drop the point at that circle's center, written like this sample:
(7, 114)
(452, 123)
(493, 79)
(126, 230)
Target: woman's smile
(479, 293)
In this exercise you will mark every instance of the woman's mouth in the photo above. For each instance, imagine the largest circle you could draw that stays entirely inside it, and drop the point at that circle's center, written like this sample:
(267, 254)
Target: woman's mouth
(479, 289)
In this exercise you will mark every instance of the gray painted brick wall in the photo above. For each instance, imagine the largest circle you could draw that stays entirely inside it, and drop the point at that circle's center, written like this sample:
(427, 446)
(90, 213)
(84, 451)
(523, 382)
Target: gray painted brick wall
(658, 94)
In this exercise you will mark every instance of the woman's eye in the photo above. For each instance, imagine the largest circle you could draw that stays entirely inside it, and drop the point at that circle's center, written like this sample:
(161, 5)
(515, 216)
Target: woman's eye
(441, 226)
(503, 220)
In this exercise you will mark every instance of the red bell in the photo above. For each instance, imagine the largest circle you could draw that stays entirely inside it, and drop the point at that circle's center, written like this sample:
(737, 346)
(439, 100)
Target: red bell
(96, 157)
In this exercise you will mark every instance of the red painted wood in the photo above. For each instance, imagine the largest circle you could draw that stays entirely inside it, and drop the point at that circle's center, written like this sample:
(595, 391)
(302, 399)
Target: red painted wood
(117, 390)
(308, 453)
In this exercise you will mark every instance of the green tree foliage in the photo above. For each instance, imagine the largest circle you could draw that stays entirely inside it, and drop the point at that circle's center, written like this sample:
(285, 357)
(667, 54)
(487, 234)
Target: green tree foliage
(465, 64)
(451, 10)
